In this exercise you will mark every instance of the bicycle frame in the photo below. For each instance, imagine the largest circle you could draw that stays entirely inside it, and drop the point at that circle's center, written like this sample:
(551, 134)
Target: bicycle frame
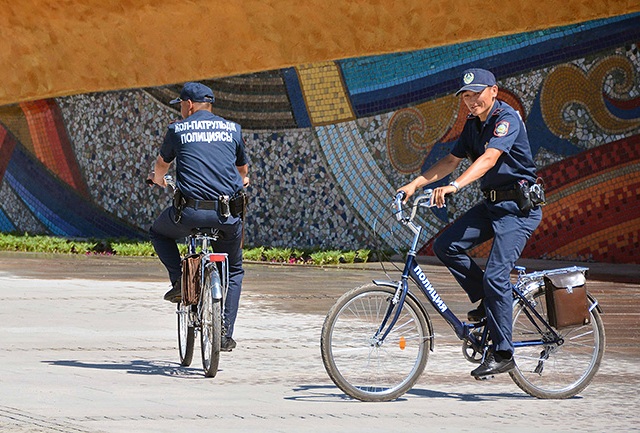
(412, 270)
(462, 329)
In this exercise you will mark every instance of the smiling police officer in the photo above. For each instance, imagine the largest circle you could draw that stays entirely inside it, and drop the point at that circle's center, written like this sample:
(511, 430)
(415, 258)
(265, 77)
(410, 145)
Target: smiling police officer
(211, 171)
(494, 138)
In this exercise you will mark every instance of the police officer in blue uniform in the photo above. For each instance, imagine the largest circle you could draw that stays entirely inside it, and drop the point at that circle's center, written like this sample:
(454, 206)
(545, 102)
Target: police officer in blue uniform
(211, 168)
(494, 138)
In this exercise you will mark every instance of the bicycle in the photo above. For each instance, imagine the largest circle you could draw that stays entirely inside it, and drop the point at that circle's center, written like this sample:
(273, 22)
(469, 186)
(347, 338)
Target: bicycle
(206, 315)
(376, 338)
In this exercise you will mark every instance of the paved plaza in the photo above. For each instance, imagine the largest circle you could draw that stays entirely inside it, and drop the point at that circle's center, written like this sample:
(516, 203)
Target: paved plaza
(88, 346)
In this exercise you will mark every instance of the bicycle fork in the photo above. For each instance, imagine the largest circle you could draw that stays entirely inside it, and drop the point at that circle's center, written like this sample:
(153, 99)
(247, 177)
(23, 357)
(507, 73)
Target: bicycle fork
(396, 303)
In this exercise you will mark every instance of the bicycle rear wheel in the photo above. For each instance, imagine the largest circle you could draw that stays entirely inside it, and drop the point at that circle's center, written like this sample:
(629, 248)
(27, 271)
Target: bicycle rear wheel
(356, 362)
(554, 371)
(211, 314)
(186, 334)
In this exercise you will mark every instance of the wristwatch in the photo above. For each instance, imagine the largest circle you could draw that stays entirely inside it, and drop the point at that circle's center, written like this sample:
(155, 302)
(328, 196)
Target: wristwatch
(455, 185)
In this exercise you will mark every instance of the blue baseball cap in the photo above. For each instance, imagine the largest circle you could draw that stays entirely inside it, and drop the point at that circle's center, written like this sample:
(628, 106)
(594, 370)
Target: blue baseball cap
(476, 80)
(196, 92)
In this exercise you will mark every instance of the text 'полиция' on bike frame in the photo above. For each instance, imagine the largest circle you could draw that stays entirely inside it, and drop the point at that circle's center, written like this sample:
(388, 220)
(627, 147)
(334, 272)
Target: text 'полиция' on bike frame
(376, 338)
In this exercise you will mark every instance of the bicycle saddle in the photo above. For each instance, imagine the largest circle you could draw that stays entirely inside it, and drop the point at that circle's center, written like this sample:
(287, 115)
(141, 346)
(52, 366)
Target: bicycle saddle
(207, 231)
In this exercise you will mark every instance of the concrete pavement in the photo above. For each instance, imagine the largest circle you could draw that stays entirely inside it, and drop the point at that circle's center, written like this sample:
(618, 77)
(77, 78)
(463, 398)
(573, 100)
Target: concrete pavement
(89, 346)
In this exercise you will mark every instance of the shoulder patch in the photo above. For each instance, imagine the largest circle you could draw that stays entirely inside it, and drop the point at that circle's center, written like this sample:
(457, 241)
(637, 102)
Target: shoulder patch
(502, 128)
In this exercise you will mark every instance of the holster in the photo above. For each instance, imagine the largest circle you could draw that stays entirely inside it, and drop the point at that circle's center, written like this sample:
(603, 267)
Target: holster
(224, 206)
(238, 204)
(530, 196)
(536, 192)
(523, 197)
(179, 202)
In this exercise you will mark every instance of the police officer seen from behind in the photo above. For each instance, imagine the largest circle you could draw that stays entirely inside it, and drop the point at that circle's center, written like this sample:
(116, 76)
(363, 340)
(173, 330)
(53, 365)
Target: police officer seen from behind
(211, 171)
(494, 138)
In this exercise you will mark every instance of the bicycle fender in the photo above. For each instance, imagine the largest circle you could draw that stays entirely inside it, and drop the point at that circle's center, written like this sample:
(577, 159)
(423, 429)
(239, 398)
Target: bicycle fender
(394, 285)
(595, 303)
(216, 286)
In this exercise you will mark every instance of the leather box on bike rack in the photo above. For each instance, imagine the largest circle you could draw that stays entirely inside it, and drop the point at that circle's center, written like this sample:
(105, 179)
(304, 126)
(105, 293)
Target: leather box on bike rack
(191, 275)
(566, 296)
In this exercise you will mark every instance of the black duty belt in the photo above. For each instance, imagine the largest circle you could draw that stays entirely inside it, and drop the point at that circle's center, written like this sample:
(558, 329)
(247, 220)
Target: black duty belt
(495, 196)
(201, 204)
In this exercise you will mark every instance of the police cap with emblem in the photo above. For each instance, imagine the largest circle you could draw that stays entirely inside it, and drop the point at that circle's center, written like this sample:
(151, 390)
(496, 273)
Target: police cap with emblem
(196, 92)
(476, 80)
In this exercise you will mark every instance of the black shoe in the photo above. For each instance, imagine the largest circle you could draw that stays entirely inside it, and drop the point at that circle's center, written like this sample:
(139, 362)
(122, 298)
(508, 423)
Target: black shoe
(491, 366)
(175, 294)
(478, 314)
(227, 344)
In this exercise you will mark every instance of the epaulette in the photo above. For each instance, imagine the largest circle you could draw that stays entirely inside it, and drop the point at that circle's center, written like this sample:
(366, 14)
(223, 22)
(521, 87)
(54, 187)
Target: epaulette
(497, 111)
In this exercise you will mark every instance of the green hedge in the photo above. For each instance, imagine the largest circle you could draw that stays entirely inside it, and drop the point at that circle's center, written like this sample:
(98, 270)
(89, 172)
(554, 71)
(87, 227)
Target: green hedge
(124, 247)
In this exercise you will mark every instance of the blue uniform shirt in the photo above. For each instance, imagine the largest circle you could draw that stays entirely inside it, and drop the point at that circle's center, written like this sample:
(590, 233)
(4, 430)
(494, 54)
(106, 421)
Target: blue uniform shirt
(503, 130)
(207, 149)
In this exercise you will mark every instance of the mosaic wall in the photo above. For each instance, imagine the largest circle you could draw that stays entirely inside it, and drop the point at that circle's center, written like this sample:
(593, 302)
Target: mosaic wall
(330, 142)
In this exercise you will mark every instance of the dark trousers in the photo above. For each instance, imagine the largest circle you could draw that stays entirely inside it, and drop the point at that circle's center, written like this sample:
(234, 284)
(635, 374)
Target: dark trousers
(165, 231)
(510, 229)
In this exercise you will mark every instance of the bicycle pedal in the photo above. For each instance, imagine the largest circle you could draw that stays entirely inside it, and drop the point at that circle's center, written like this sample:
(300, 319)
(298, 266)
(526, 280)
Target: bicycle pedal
(488, 377)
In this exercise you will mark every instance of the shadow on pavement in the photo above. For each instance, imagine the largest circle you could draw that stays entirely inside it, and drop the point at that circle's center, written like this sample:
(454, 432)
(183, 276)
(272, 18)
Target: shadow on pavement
(136, 367)
(329, 393)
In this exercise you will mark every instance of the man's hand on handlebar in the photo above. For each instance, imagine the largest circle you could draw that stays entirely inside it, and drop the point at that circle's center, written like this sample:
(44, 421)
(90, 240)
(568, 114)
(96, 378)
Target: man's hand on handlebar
(438, 194)
(153, 179)
(408, 190)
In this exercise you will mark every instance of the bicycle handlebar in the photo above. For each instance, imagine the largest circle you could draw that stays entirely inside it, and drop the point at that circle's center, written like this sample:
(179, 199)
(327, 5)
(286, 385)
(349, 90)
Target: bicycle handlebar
(417, 202)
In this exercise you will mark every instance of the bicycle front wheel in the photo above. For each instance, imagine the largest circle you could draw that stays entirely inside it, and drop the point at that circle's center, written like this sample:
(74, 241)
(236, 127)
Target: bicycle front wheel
(553, 371)
(357, 362)
(211, 318)
(186, 334)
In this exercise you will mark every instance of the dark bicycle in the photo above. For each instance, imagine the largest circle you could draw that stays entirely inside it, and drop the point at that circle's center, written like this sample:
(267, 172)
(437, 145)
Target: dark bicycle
(201, 309)
(376, 339)
(206, 315)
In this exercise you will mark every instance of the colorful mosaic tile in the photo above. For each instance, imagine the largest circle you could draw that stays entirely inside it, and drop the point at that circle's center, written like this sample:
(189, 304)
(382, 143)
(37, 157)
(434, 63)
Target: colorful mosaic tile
(324, 93)
(50, 143)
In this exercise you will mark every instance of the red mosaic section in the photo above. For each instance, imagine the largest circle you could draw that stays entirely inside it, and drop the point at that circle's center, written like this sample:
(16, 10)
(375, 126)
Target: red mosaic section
(577, 218)
(51, 144)
(601, 158)
(617, 244)
(7, 144)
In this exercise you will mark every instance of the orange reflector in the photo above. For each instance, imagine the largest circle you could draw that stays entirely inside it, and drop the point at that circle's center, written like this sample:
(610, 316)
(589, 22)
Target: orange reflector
(402, 343)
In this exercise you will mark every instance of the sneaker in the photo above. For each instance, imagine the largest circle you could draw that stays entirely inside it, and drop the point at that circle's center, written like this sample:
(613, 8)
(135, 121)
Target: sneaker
(227, 344)
(478, 313)
(491, 366)
(175, 294)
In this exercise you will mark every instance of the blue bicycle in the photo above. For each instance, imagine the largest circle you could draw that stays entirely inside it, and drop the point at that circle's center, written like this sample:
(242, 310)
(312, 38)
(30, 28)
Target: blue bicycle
(376, 339)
